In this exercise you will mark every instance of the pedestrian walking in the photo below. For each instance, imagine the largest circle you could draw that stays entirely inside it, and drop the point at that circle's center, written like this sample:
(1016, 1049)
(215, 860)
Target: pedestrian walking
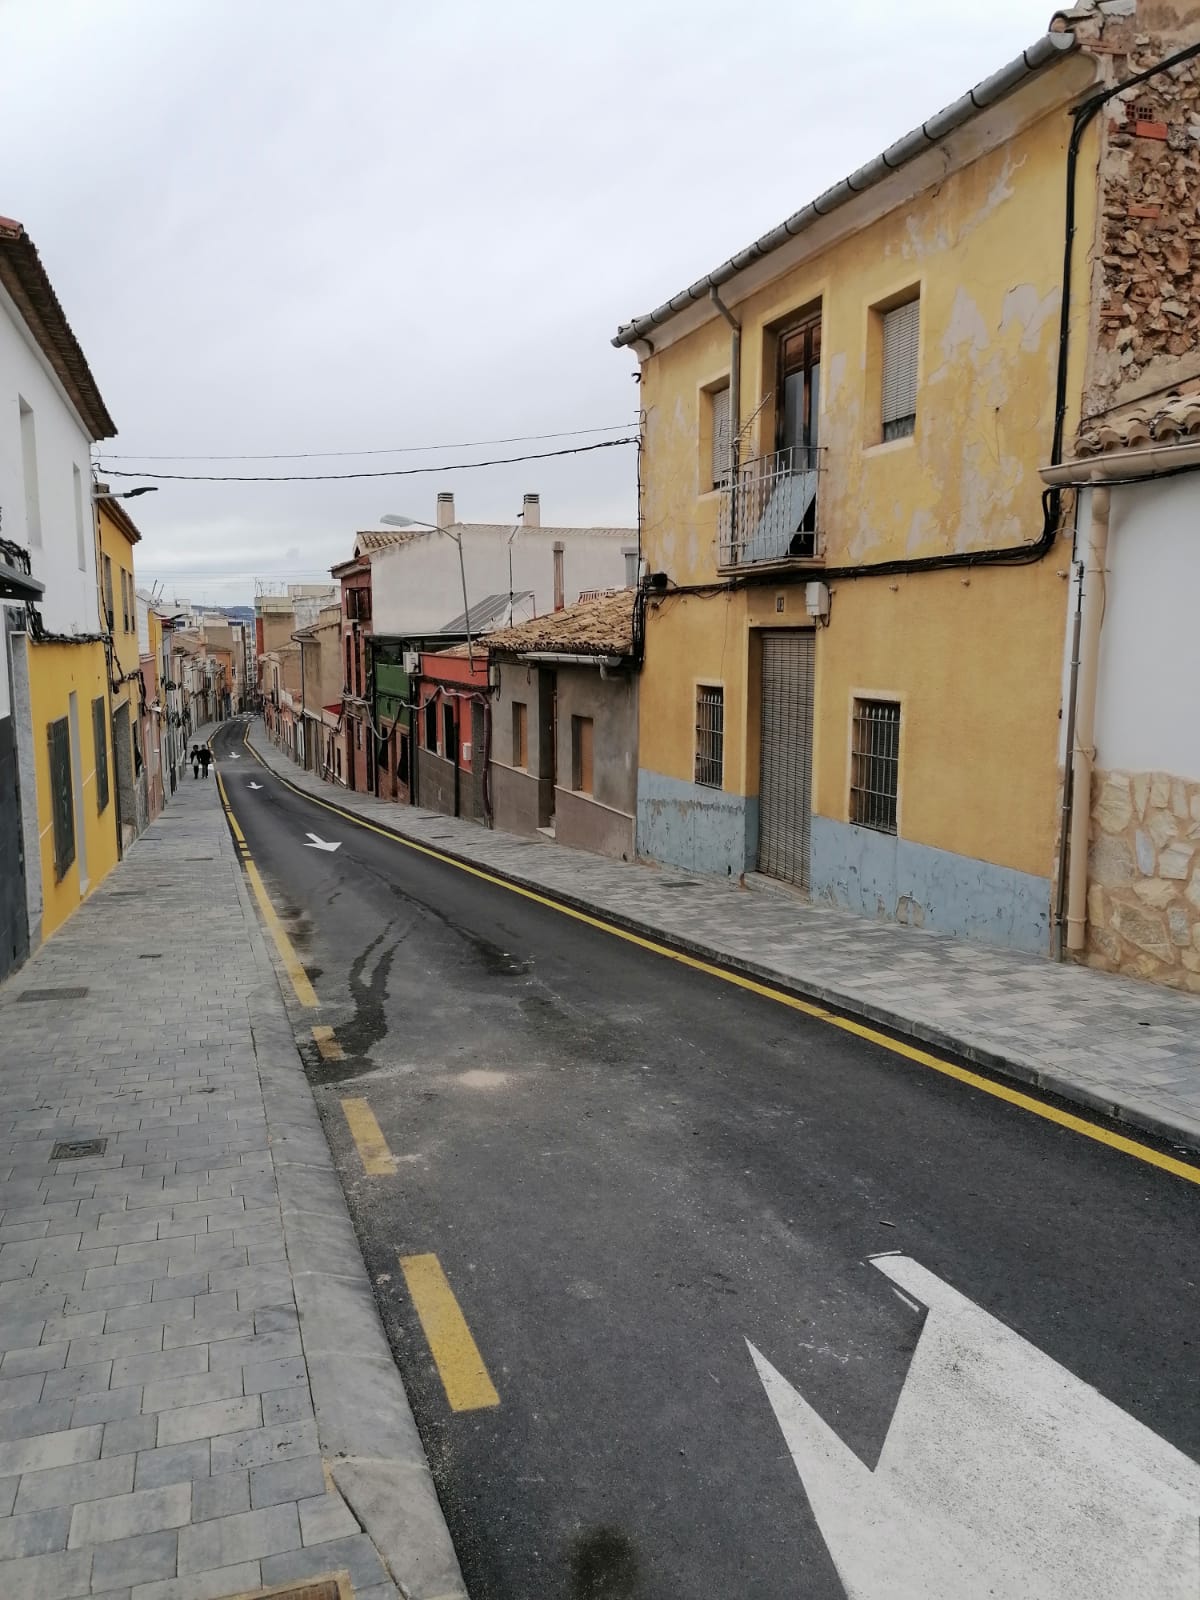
(205, 758)
(195, 760)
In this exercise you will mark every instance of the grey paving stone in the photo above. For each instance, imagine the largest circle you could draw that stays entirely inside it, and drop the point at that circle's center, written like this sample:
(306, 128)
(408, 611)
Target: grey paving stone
(62, 1449)
(128, 1435)
(256, 1447)
(204, 1586)
(158, 1365)
(174, 1463)
(108, 1405)
(65, 1486)
(74, 1381)
(140, 1559)
(356, 1555)
(21, 1422)
(285, 1372)
(41, 1358)
(286, 1405)
(204, 1386)
(227, 1325)
(326, 1517)
(104, 1347)
(220, 1497)
(21, 1391)
(248, 1536)
(300, 1479)
(8, 1493)
(209, 1419)
(109, 1299)
(123, 1516)
(54, 1577)
(34, 1533)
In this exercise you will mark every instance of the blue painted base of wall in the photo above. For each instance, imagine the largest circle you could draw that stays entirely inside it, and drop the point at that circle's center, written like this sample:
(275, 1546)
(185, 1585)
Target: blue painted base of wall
(882, 876)
(700, 829)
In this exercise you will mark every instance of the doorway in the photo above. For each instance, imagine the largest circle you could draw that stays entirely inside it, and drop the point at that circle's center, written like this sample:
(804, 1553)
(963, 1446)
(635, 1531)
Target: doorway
(785, 786)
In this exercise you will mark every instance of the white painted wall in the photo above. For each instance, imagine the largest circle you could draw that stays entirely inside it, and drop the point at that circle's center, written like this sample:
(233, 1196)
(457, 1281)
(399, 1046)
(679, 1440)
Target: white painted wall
(70, 604)
(1147, 716)
(417, 589)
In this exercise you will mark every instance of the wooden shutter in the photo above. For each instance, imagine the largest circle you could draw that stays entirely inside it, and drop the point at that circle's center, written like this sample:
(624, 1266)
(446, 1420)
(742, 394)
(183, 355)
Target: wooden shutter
(720, 436)
(901, 328)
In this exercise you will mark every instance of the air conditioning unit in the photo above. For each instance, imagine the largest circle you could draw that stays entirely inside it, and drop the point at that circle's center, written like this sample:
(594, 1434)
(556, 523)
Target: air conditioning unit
(412, 661)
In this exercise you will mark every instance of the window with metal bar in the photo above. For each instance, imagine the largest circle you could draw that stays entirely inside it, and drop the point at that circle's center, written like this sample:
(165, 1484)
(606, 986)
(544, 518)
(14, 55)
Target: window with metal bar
(710, 736)
(875, 764)
(901, 330)
(100, 736)
(58, 735)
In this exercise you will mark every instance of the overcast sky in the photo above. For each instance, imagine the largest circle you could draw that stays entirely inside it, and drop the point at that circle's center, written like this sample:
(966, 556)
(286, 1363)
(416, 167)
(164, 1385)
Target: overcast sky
(288, 226)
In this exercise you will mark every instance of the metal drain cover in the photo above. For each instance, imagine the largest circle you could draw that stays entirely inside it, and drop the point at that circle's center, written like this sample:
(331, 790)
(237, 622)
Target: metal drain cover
(311, 1589)
(75, 1149)
(51, 994)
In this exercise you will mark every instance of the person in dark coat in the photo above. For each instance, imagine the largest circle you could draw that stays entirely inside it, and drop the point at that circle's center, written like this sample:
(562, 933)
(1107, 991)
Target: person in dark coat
(205, 758)
(194, 758)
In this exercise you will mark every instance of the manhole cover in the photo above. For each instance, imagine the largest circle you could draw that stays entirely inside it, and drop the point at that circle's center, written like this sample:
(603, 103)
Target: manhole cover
(312, 1589)
(73, 1149)
(51, 994)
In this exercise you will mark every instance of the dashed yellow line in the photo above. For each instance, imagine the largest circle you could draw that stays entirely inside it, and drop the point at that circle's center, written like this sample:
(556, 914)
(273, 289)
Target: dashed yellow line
(378, 1161)
(330, 1049)
(455, 1353)
(1188, 1171)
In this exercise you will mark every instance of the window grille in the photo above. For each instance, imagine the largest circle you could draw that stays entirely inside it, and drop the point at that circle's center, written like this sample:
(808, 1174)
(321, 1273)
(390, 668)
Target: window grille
(61, 797)
(99, 733)
(901, 328)
(875, 764)
(710, 736)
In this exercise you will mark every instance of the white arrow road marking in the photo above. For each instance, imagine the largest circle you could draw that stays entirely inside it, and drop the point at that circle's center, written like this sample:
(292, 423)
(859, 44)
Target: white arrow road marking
(1002, 1474)
(321, 844)
(233, 756)
(253, 785)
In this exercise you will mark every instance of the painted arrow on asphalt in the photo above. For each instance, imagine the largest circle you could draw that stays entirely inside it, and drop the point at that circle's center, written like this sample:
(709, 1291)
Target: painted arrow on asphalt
(322, 844)
(233, 756)
(1001, 1474)
(253, 785)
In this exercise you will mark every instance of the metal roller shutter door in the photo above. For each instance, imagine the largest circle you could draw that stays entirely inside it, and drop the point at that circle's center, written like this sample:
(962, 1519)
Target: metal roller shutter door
(785, 790)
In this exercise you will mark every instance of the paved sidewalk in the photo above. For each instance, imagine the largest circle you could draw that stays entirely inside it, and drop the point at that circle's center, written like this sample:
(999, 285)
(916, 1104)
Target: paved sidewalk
(1128, 1049)
(196, 1395)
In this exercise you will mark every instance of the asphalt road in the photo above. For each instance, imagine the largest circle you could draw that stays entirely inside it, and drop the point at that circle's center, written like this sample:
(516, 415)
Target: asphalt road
(632, 1172)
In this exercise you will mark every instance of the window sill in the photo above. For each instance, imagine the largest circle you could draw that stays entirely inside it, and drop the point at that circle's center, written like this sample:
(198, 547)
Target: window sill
(887, 446)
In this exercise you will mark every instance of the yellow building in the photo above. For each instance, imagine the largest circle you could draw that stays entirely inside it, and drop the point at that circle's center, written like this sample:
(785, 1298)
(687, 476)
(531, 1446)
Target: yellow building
(858, 596)
(51, 413)
(118, 602)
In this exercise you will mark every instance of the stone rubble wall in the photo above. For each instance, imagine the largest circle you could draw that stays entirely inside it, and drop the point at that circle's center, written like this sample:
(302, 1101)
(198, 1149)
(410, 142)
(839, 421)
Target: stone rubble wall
(1144, 877)
(1146, 286)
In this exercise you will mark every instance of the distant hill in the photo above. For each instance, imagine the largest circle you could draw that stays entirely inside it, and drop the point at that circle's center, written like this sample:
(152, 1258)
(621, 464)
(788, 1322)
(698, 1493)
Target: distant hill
(234, 613)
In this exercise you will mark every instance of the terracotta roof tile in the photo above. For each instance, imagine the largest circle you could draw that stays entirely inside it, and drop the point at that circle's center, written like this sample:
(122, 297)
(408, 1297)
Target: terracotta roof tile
(1173, 421)
(599, 627)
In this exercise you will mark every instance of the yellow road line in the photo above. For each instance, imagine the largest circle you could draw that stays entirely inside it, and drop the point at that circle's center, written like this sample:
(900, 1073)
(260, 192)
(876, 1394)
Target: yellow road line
(455, 1353)
(330, 1049)
(1188, 1171)
(378, 1161)
(305, 992)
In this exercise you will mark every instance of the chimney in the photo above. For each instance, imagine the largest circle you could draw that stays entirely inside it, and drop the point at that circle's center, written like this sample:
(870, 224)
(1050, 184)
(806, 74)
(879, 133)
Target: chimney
(559, 595)
(445, 510)
(531, 512)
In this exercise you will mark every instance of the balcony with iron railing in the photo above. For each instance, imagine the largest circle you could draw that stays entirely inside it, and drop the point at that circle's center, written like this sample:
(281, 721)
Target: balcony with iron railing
(770, 509)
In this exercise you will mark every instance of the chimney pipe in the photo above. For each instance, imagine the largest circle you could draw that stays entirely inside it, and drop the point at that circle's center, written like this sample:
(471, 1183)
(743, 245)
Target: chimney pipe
(445, 510)
(531, 511)
(559, 595)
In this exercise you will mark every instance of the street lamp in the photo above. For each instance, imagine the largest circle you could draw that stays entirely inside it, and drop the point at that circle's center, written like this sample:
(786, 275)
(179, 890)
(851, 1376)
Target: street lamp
(125, 494)
(394, 521)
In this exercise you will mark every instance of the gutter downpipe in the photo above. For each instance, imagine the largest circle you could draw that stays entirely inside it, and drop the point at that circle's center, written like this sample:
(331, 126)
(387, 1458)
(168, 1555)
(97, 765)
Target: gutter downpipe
(735, 402)
(1083, 753)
